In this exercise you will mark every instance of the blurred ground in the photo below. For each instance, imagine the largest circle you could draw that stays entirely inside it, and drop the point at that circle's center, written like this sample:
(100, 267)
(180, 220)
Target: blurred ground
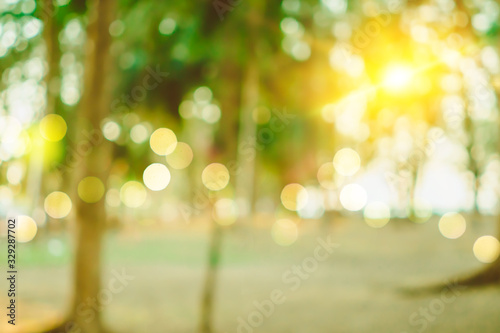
(355, 290)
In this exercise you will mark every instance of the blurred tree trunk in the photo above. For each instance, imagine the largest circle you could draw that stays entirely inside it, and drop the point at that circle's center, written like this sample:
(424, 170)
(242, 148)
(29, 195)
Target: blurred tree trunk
(412, 191)
(91, 217)
(246, 166)
(415, 169)
(51, 36)
(85, 309)
(247, 131)
(230, 80)
(210, 282)
(473, 165)
(51, 31)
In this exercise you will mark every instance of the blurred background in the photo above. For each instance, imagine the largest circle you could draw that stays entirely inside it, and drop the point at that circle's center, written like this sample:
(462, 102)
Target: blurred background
(251, 166)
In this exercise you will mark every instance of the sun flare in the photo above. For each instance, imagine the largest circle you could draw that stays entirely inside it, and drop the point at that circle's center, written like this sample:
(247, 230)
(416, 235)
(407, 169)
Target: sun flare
(397, 77)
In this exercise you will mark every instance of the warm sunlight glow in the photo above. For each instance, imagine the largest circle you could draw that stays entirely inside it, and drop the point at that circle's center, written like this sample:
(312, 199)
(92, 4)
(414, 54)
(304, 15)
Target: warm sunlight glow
(397, 77)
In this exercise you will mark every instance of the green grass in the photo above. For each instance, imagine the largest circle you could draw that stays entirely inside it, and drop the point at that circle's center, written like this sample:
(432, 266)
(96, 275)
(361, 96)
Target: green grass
(176, 248)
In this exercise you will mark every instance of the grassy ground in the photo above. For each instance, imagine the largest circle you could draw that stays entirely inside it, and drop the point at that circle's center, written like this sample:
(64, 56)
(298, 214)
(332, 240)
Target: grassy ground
(356, 289)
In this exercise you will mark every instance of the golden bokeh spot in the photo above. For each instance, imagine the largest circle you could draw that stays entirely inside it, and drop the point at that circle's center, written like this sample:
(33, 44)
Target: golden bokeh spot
(452, 225)
(163, 141)
(53, 127)
(347, 162)
(215, 176)
(225, 211)
(91, 189)
(133, 194)
(58, 205)
(181, 157)
(156, 177)
(486, 249)
(294, 197)
(26, 229)
(377, 214)
(284, 232)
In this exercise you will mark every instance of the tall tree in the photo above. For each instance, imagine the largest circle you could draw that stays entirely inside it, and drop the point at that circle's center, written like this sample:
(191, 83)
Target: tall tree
(52, 56)
(85, 316)
(91, 217)
(249, 97)
(210, 280)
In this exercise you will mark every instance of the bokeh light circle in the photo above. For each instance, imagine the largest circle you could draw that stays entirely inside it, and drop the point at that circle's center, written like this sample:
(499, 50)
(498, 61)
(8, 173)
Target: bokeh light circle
(294, 197)
(203, 94)
(139, 133)
(58, 205)
(486, 249)
(181, 157)
(347, 162)
(26, 229)
(163, 141)
(353, 197)
(452, 225)
(156, 177)
(133, 194)
(211, 113)
(91, 189)
(111, 130)
(215, 176)
(53, 127)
